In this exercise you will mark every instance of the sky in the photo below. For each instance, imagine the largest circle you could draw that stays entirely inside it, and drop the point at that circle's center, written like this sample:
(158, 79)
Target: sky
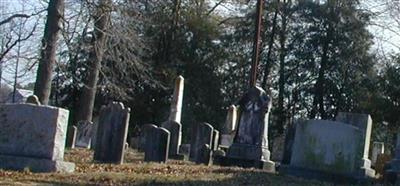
(384, 31)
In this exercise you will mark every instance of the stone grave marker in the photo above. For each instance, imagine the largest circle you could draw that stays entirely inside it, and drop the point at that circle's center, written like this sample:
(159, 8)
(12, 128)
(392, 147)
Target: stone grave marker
(329, 150)
(175, 130)
(201, 135)
(33, 137)
(144, 131)
(176, 104)
(71, 136)
(377, 148)
(84, 134)
(215, 140)
(228, 131)
(33, 99)
(157, 144)
(250, 145)
(393, 172)
(112, 133)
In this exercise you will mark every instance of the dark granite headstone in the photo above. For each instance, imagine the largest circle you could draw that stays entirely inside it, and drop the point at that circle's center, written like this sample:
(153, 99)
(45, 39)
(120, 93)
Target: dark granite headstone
(71, 137)
(175, 130)
(201, 135)
(157, 144)
(112, 133)
(250, 146)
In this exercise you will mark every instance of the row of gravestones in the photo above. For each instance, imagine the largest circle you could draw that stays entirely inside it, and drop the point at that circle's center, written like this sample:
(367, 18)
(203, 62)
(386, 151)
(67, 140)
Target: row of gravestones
(33, 136)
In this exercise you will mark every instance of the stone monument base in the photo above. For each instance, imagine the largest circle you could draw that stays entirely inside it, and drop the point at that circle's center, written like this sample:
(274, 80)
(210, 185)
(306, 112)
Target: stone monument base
(35, 164)
(364, 174)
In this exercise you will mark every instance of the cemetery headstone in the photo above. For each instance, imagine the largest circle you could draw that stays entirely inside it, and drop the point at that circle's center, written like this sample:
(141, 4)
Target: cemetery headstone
(228, 131)
(144, 131)
(157, 144)
(215, 140)
(201, 135)
(377, 149)
(33, 137)
(329, 150)
(84, 134)
(112, 133)
(393, 172)
(175, 130)
(33, 99)
(250, 145)
(71, 136)
(94, 132)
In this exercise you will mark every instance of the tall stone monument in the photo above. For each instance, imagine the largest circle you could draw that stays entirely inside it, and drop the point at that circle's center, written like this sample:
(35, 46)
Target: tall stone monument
(250, 145)
(173, 125)
(112, 132)
(33, 137)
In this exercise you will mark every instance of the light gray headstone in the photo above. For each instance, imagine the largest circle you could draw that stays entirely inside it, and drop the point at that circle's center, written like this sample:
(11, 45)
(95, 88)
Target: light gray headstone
(176, 104)
(377, 149)
(33, 136)
(157, 144)
(175, 130)
(201, 135)
(329, 146)
(231, 120)
(112, 132)
(84, 134)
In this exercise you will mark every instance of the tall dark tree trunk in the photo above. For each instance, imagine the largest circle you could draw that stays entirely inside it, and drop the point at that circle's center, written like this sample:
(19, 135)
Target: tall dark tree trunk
(88, 94)
(268, 63)
(282, 81)
(42, 88)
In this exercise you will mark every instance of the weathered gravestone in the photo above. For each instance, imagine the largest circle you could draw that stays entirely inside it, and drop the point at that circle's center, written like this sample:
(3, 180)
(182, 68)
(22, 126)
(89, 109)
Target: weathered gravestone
(215, 140)
(329, 150)
(377, 149)
(201, 135)
(392, 174)
(112, 133)
(71, 136)
(250, 146)
(157, 144)
(84, 134)
(229, 127)
(33, 137)
(175, 130)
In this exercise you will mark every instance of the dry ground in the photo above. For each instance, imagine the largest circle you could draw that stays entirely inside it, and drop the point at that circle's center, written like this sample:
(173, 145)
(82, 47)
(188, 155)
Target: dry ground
(136, 172)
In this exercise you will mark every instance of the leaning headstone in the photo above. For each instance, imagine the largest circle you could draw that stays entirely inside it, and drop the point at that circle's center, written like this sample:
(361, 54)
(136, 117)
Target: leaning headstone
(377, 149)
(176, 104)
(250, 146)
(175, 130)
(112, 132)
(201, 135)
(33, 137)
(71, 137)
(328, 150)
(84, 134)
(157, 144)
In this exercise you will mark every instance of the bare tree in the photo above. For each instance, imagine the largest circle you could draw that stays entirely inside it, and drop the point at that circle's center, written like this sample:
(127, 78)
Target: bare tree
(48, 51)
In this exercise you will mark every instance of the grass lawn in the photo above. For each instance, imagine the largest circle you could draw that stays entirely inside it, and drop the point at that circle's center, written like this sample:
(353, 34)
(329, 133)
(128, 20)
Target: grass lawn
(136, 172)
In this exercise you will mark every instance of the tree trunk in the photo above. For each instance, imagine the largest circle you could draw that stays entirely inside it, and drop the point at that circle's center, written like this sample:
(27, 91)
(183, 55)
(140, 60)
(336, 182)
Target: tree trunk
(268, 64)
(88, 94)
(42, 89)
(282, 56)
